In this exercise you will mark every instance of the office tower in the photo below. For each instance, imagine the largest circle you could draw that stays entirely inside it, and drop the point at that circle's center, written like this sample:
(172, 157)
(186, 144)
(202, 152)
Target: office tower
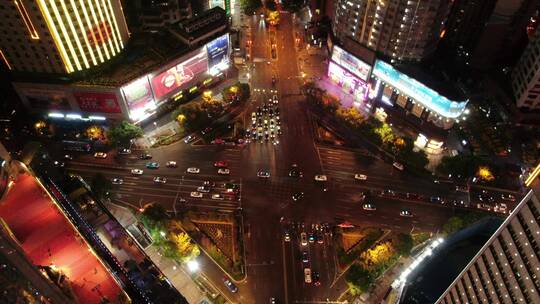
(507, 267)
(403, 30)
(526, 75)
(60, 36)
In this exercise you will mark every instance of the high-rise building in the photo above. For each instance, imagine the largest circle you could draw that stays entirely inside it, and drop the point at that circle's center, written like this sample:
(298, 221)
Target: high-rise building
(60, 36)
(486, 31)
(526, 75)
(403, 30)
(507, 267)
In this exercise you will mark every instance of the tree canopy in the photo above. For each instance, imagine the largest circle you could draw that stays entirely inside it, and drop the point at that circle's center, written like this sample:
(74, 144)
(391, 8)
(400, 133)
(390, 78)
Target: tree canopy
(122, 133)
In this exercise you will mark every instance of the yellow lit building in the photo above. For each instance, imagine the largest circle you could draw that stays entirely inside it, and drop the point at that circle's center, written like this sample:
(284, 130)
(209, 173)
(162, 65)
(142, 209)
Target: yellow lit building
(60, 36)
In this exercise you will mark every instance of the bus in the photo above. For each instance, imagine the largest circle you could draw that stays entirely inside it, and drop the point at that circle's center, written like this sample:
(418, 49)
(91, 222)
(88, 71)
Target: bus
(79, 146)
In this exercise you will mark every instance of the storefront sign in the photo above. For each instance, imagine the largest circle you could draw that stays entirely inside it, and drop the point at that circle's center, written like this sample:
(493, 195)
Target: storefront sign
(97, 102)
(419, 92)
(179, 75)
(351, 63)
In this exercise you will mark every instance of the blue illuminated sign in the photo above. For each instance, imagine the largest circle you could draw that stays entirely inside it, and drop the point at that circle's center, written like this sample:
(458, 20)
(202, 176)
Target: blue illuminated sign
(218, 51)
(419, 92)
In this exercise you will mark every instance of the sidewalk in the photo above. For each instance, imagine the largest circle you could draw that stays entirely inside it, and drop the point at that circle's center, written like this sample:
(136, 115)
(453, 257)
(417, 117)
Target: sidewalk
(178, 277)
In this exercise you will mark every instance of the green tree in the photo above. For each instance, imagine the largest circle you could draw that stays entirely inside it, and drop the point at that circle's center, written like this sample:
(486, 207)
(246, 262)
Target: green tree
(154, 216)
(386, 133)
(359, 279)
(459, 165)
(194, 116)
(453, 224)
(186, 249)
(101, 186)
(122, 133)
(404, 244)
(350, 115)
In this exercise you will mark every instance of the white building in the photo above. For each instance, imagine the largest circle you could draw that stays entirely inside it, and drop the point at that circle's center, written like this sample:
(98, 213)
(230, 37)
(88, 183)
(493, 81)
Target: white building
(526, 75)
(400, 29)
(507, 267)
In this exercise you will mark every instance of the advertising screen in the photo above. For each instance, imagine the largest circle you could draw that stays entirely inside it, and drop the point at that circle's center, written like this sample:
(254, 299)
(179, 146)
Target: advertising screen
(351, 63)
(138, 94)
(97, 102)
(414, 89)
(46, 99)
(179, 75)
(218, 51)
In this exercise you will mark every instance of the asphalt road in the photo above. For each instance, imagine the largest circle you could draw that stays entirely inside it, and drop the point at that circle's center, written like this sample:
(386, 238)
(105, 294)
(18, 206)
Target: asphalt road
(274, 266)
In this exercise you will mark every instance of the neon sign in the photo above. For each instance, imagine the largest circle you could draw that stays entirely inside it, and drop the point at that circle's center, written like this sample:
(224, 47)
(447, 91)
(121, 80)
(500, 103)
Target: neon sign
(418, 91)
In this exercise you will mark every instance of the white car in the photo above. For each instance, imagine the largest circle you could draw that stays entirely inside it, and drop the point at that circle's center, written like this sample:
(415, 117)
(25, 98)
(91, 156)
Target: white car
(117, 181)
(193, 170)
(275, 99)
(100, 155)
(361, 177)
(501, 207)
(218, 197)
(369, 207)
(307, 275)
(160, 180)
(303, 239)
(203, 189)
(405, 213)
(263, 174)
(398, 166)
(137, 171)
(171, 164)
(223, 171)
(321, 178)
(196, 194)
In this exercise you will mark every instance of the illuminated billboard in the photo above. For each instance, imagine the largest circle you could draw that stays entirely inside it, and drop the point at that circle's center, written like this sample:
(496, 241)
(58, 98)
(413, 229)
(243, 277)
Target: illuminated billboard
(97, 102)
(224, 4)
(139, 98)
(348, 81)
(218, 51)
(179, 75)
(46, 99)
(351, 63)
(419, 92)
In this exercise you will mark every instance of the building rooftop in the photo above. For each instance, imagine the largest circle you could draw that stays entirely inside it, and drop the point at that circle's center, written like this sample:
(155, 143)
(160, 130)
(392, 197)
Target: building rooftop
(200, 25)
(434, 79)
(145, 53)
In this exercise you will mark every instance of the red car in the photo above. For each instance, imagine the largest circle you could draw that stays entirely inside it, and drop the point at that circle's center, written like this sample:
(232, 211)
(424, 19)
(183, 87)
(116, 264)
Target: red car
(221, 164)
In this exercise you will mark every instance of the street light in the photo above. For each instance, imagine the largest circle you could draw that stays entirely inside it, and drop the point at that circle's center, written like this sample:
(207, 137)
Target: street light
(193, 265)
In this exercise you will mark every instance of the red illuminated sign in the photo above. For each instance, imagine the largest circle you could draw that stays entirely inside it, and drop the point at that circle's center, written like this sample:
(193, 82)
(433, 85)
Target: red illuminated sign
(95, 102)
(179, 75)
(99, 33)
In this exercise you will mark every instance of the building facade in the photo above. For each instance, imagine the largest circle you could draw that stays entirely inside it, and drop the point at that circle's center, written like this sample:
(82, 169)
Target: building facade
(507, 267)
(403, 30)
(60, 37)
(135, 98)
(526, 75)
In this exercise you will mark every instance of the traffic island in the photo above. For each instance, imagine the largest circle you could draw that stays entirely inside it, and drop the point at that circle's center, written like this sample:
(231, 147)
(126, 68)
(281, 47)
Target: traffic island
(219, 236)
(365, 254)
